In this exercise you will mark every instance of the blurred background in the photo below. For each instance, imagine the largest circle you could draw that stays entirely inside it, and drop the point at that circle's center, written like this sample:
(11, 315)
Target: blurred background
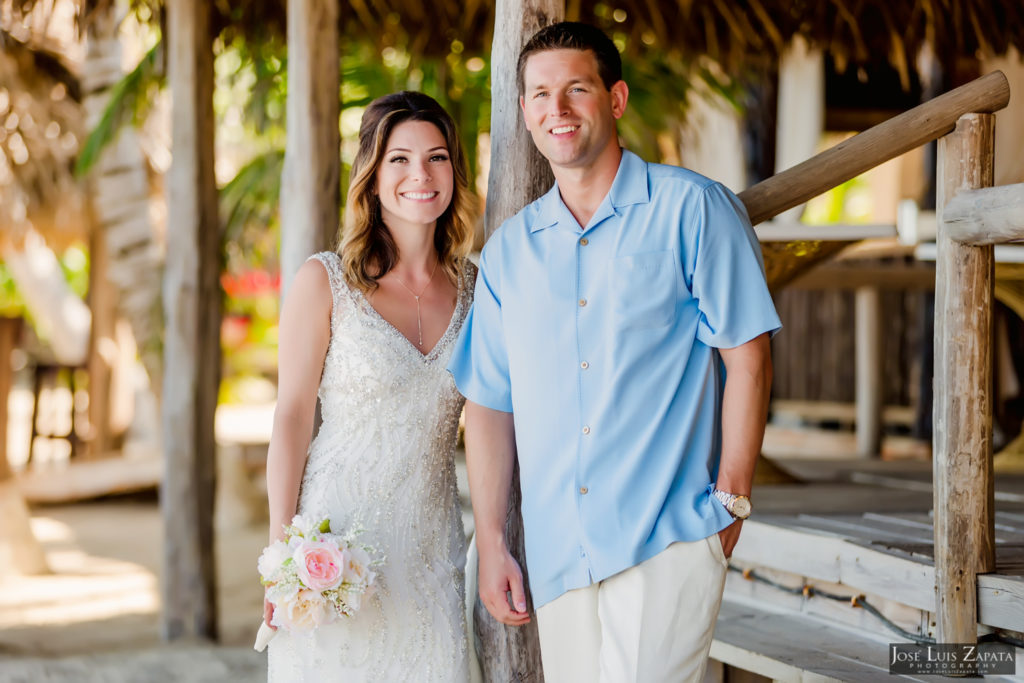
(735, 90)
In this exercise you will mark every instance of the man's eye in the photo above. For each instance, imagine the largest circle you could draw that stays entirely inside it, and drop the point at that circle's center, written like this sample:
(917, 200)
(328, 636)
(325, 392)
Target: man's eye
(540, 94)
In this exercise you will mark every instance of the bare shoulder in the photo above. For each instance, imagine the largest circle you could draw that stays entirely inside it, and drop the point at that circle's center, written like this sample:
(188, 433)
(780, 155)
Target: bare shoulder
(310, 291)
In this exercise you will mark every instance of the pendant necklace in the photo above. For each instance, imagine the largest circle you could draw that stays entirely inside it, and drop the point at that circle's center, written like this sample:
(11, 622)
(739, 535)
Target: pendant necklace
(419, 321)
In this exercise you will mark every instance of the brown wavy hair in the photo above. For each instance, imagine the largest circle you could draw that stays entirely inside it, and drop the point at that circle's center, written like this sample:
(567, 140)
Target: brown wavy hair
(368, 251)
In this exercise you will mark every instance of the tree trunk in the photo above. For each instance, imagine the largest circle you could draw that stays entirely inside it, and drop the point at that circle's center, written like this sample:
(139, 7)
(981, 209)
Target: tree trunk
(20, 552)
(120, 208)
(519, 174)
(192, 303)
(310, 189)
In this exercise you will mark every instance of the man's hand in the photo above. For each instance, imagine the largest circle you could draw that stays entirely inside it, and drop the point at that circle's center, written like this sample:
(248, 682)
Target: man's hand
(500, 574)
(729, 535)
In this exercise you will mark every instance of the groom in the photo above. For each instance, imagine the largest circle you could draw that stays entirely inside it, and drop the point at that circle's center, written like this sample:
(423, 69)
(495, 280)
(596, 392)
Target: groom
(618, 344)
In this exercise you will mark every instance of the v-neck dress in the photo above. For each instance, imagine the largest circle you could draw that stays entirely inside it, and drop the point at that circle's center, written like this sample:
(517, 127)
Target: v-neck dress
(383, 461)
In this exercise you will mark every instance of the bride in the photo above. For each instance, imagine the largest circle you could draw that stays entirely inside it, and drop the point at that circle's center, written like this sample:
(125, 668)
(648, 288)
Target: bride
(369, 330)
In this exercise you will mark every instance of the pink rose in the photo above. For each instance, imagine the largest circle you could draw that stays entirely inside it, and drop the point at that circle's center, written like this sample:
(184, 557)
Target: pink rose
(319, 564)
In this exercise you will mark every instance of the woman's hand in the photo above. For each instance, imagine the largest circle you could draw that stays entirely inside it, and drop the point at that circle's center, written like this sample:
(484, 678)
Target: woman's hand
(268, 612)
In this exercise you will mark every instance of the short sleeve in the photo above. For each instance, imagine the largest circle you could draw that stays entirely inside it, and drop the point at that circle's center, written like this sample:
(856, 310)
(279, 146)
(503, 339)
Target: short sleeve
(727, 273)
(479, 362)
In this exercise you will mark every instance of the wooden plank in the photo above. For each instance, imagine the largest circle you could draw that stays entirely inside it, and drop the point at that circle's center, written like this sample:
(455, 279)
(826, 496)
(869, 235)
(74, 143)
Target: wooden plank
(962, 441)
(519, 174)
(838, 612)
(874, 146)
(789, 647)
(838, 561)
(1001, 601)
(835, 411)
(191, 294)
(907, 580)
(310, 189)
(108, 474)
(987, 216)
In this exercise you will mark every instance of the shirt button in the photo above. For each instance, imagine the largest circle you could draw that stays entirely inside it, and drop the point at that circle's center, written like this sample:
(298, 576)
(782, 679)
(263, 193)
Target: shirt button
(583, 490)
(586, 430)
(584, 241)
(584, 365)
(583, 302)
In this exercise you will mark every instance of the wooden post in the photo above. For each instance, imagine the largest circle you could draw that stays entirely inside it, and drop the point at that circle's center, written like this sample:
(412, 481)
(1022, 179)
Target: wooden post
(192, 303)
(102, 348)
(518, 175)
(310, 190)
(964, 497)
(10, 329)
(20, 552)
(868, 331)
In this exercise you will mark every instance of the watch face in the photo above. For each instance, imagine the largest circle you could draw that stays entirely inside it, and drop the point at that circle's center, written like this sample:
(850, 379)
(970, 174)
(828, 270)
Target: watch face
(741, 507)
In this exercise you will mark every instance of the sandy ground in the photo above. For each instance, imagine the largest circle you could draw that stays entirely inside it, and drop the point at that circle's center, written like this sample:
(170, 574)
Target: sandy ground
(104, 597)
(95, 618)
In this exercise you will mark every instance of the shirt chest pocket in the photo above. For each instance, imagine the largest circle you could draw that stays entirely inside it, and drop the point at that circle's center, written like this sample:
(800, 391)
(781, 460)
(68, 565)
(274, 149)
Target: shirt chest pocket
(644, 289)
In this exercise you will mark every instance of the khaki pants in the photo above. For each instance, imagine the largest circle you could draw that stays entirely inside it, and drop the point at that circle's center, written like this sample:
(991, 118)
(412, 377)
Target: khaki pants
(650, 623)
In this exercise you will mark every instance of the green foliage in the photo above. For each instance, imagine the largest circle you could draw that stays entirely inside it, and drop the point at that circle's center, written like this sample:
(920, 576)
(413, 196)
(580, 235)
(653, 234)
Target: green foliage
(130, 101)
(11, 303)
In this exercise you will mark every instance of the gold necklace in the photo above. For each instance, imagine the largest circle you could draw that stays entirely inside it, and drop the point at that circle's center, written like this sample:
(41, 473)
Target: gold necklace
(419, 320)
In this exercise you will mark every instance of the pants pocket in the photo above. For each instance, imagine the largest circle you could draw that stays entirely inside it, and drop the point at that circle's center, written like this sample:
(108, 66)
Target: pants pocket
(717, 551)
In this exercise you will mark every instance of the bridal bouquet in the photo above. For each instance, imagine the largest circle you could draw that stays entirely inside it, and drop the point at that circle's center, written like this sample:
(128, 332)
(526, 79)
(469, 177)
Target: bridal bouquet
(314, 576)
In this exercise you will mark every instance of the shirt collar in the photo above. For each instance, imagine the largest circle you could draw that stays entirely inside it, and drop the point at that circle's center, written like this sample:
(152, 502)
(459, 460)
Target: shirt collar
(629, 187)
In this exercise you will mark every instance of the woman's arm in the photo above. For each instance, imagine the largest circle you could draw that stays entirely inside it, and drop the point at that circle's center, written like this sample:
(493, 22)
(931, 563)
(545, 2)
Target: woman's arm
(303, 337)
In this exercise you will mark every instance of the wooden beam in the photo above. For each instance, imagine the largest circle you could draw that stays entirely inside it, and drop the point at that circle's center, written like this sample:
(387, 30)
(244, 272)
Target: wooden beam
(888, 140)
(192, 313)
(962, 441)
(849, 276)
(310, 190)
(988, 216)
(519, 174)
(868, 332)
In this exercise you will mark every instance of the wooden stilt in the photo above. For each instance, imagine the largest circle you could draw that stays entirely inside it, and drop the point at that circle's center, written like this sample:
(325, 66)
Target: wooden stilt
(964, 497)
(192, 338)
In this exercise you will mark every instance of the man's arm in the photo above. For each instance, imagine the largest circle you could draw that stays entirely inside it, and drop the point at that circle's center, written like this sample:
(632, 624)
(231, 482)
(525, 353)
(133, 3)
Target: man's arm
(748, 383)
(490, 457)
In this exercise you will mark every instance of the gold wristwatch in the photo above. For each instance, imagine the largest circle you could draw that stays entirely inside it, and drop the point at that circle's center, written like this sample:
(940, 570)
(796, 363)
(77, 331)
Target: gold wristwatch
(737, 505)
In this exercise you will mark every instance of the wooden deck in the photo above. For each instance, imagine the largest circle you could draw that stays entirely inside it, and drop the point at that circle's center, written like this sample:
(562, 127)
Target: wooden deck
(854, 528)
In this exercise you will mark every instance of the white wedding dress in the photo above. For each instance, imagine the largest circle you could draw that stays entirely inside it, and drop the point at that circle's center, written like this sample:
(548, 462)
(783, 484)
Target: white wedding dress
(383, 461)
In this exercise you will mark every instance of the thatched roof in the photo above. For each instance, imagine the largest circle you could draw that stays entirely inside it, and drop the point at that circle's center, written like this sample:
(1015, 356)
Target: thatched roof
(40, 130)
(731, 32)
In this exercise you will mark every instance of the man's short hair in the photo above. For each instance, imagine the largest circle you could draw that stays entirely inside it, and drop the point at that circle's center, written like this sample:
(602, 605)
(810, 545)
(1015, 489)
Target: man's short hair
(573, 35)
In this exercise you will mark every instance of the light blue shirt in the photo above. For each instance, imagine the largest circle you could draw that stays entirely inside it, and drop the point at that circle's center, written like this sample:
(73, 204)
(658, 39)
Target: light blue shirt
(601, 341)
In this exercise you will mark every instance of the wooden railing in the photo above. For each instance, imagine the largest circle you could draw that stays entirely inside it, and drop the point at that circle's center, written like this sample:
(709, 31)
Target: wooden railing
(970, 221)
(875, 146)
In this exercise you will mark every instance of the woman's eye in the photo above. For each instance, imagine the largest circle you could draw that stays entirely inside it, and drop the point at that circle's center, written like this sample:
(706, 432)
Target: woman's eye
(396, 160)
(439, 157)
